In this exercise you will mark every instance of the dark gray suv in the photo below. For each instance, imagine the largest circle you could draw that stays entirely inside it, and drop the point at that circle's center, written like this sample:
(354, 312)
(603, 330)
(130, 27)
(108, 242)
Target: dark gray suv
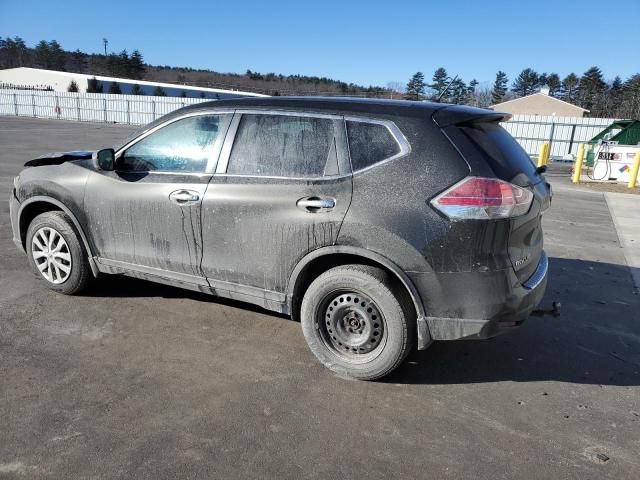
(381, 225)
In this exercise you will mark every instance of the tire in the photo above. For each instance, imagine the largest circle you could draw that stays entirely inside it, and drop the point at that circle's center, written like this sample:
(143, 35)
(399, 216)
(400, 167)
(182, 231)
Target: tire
(65, 267)
(357, 322)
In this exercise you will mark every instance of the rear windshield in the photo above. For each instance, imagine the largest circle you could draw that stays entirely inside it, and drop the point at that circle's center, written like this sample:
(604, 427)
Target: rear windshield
(499, 148)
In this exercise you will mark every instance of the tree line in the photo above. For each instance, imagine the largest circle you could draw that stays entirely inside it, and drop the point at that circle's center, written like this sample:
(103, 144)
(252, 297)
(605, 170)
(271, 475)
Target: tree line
(614, 99)
(50, 55)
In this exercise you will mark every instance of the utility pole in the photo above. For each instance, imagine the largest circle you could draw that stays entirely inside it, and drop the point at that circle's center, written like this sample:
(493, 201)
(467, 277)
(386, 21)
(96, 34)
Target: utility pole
(106, 42)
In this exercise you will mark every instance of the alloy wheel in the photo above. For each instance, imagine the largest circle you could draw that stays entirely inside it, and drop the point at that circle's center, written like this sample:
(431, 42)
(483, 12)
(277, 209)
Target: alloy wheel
(51, 255)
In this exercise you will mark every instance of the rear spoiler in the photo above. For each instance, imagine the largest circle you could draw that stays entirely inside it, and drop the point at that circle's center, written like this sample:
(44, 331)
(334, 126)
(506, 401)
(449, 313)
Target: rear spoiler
(461, 115)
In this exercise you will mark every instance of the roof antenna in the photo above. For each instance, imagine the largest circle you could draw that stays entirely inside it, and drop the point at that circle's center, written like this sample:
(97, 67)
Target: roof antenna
(446, 88)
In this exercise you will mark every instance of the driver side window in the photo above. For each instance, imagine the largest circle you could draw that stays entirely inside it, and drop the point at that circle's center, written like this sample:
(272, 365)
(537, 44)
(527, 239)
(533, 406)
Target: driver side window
(184, 146)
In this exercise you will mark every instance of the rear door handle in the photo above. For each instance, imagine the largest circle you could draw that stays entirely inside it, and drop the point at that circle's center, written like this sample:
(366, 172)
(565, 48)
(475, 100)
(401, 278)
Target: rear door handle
(316, 204)
(185, 197)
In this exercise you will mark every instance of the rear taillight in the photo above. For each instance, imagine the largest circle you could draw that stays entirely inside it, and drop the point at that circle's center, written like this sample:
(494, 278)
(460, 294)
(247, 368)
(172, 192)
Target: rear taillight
(477, 198)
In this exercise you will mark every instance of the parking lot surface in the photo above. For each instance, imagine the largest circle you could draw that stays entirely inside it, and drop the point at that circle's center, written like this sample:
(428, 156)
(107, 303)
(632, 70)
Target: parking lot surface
(138, 380)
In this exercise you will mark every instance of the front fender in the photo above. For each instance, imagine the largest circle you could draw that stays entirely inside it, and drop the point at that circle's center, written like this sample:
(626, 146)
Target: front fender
(60, 205)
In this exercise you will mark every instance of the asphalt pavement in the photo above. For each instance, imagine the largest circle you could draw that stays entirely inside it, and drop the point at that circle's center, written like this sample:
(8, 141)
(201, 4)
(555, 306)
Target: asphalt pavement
(138, 380)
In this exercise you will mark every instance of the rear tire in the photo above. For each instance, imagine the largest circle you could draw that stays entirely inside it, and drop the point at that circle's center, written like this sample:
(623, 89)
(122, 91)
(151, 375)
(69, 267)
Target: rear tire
(56, 253)
(357, 322)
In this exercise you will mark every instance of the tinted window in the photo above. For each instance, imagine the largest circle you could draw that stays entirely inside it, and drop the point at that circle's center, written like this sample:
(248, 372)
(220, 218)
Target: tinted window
(284, 146)
(500, 149)
(182, 146)
(370, 143)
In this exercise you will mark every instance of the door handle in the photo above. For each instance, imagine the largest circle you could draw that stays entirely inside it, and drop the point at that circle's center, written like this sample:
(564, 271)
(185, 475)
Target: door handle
(316, 204)
(184, 197)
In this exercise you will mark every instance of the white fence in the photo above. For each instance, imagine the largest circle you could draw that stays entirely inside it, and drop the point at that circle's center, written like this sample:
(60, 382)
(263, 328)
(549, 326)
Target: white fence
(89, 107)
(531, 131)
(563, 133)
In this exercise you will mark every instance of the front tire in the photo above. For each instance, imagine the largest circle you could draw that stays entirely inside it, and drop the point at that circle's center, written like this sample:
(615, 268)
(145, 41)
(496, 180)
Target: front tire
(357, 322)
(56, 253)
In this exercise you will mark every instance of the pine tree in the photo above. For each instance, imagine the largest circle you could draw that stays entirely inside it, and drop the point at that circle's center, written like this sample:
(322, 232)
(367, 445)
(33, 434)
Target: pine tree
(93, 86)
(12, 51)
(542, 81)
(554, 84)
(78, 59)
(499, 87)
(114, 88)
(470, 97)
(159, 92)
(569, 87)
(415, 87)
(590, 91)
(137, 65)
(631, 97)
(526, 83)
(16, 49)
(440, 82)
(73, 86)
(457, 92)
(136, 90)
(118, 64)
(124, 64)
(57, 56)
(41, 55)
(615, 97)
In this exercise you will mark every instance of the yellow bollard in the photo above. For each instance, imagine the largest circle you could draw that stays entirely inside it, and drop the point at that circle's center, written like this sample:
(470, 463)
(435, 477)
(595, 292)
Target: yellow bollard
(634, 171)
(577, 168)
(547, 153)
(542, 157)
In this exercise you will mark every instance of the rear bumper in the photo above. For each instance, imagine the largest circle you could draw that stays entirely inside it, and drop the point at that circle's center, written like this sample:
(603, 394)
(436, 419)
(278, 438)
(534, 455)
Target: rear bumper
(14, 208)
(476, 305)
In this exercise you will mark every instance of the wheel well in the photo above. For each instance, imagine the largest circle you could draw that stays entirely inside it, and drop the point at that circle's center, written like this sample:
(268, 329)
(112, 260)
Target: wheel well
(30, 212)
(319, 265)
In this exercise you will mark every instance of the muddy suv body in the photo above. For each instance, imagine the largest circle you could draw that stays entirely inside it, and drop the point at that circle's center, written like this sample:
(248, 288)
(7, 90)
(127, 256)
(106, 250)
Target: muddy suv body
(381, 225)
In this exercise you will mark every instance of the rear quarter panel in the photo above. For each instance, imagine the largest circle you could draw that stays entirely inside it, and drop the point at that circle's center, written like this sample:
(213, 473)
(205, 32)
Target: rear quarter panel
(390, 211)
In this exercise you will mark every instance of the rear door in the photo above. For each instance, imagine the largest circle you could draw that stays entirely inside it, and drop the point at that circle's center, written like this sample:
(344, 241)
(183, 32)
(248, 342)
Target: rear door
(281, 190)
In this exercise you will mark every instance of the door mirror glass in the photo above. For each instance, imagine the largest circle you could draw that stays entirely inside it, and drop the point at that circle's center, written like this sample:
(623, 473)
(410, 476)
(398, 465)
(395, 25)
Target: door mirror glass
(104, 159)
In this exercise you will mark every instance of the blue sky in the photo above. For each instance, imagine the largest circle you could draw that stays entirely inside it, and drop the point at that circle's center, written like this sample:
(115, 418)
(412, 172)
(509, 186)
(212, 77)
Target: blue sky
(369, 43)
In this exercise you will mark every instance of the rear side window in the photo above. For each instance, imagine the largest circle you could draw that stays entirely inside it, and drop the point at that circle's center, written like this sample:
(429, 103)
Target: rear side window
(499, 149)
(370, 143)
(284, 146)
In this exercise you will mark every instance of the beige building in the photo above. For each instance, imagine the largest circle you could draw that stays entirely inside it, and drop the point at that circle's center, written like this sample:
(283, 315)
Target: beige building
(540, 103)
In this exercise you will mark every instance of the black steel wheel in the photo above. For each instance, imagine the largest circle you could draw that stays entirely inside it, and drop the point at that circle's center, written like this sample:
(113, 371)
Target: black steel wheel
(351, 325)
(357, 322)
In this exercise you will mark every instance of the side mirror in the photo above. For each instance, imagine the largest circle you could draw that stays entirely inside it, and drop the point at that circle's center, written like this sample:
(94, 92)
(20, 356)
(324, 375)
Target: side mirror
(104, 159)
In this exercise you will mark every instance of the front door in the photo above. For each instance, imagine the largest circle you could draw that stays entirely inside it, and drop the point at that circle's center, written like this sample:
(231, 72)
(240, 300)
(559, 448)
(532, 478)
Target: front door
(282, 189)
(146, 215)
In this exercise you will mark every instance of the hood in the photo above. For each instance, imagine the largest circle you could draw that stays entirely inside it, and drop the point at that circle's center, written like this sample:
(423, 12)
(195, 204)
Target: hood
(59, 158)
